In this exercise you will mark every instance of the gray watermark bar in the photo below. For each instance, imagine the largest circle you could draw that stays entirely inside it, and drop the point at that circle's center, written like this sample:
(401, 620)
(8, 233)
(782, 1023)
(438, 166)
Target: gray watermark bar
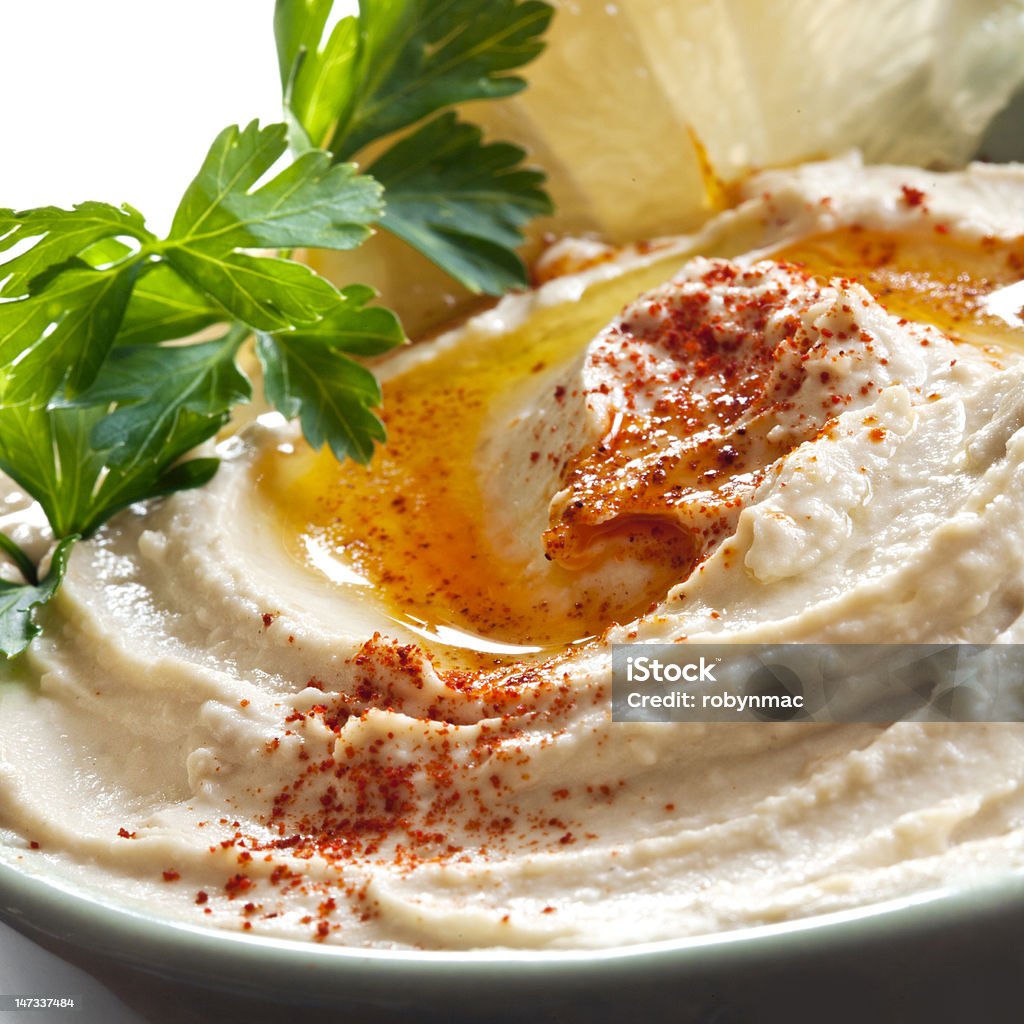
(880, 683)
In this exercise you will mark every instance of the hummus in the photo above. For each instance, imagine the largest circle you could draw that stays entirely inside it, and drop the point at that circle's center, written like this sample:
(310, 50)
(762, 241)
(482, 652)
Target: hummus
(372, 706)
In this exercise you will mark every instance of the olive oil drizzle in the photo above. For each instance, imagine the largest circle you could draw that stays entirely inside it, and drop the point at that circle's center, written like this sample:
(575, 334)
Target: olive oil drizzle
(410, 530)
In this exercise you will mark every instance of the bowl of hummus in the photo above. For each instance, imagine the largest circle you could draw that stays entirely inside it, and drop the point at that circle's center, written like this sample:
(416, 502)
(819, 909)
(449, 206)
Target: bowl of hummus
(352, 717)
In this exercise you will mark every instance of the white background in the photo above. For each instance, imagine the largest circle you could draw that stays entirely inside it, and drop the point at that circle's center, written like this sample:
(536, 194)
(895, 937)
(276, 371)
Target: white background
(118, 100)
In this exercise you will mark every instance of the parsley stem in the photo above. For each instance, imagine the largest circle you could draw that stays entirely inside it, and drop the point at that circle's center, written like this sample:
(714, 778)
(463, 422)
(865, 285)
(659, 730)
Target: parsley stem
(20, 559)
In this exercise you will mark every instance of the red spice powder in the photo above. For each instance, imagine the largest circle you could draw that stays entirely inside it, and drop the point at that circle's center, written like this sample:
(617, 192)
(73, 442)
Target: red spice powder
(236, 885)
(689, 369)
(912, 196)
(354, 804)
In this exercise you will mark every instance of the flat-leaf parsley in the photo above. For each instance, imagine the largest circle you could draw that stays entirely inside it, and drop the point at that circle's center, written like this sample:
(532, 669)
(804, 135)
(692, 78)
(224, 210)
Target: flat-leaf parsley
(102, 402)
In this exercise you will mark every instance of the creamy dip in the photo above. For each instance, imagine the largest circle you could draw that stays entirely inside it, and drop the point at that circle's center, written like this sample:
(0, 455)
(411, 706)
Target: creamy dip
(372, 706)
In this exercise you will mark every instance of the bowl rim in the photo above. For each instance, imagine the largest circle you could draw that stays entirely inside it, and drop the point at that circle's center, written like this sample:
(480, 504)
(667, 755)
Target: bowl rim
(235, 961)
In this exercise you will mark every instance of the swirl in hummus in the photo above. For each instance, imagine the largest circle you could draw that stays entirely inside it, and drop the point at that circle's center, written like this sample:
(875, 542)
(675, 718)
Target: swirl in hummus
(372, 707)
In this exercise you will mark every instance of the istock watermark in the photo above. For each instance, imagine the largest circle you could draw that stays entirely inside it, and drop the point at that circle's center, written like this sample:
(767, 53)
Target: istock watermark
(817, 682)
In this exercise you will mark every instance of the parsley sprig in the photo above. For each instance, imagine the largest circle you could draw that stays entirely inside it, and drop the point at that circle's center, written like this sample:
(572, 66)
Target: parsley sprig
(391, 68)
(102, 403)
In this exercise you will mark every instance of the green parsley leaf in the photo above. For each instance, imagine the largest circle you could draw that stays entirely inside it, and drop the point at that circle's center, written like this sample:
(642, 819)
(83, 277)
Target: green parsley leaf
(311, 75)
(47, 452)
(398, 62)
(163, 307)
(59, 235)
(19, 600)
(391, 66)
(460, 202)
(166, 399)
(354, 327)
(96, 410)
(298, 27)
(306, 375)
(310, 203)
(330, 394)
(50, 454)
(60, 336)
(264, 292)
